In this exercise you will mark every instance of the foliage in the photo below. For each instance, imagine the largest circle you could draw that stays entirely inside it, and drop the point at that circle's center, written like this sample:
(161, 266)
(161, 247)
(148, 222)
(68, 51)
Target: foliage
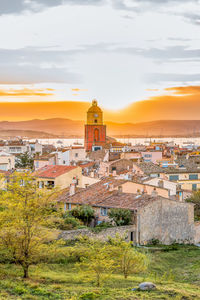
(96, 260)
(25, 160)
(57, 221)
(101, 226)
(60, 281)
(128, 259)
(85, 213)
(195, 198)
(23, 213)
(120, 216)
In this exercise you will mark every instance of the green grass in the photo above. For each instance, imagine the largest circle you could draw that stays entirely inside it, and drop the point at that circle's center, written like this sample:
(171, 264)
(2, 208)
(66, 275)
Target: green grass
(176, 274)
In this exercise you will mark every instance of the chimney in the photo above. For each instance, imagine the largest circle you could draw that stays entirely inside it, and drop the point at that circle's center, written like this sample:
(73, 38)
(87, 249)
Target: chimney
(111, 187)
(154, 193)
(120, 188)
(179, 193)
(72, 189)
(161, 184)
(114, 173)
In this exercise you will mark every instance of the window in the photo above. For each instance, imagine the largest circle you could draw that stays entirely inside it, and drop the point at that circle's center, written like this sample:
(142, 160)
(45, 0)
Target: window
(96, 135)
(63, 162)
(148, 155)
(76, 154)
(173, 177)
(194, 187)
(114, 169)
(193, 176)
(104, 211)
(95, 121)
(41, 184)
(37, 164)
(69, 206)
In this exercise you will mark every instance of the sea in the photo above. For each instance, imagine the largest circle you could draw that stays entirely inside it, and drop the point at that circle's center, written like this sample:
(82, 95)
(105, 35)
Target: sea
(183, 141)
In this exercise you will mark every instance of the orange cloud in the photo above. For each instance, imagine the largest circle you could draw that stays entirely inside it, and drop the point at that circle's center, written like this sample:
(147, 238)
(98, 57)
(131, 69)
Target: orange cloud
(184, 90)
(152, 90)
(78, 90)
(163, 107)
(25, 92)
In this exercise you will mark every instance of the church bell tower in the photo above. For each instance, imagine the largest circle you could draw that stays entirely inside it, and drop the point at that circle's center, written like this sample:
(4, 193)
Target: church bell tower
(95, 131)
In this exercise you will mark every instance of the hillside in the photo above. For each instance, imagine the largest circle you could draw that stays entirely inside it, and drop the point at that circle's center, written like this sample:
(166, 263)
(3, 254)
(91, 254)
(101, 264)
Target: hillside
(70, 128)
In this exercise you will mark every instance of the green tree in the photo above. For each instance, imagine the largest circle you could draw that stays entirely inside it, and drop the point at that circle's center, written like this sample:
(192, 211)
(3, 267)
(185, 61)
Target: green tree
(23, 211)
(25, 160)
(120, 216)
(128, 259)
(195, 198)
(96, 260)
(85, 213)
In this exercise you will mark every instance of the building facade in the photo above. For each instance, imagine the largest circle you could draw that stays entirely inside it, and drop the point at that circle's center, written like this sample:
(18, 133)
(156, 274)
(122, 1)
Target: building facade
(95, 131)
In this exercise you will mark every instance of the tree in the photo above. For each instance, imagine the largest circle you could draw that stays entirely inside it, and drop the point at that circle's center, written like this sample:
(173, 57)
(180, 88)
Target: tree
(96, 260)
(195, 198)
(85, 213)
(128, 259)
(23, 211)
(120, 216)
(25, 160)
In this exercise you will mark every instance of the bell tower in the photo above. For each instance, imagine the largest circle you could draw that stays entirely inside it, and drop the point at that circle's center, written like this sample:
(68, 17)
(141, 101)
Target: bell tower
(95, 131)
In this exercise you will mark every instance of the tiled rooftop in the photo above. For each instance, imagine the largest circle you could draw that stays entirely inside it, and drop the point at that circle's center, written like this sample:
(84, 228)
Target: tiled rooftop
(100, 195)
(53, 171)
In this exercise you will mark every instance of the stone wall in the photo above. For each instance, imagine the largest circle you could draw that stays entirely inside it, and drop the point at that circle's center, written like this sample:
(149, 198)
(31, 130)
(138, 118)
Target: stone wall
(197, 233)
(168, 221)
(103, 235)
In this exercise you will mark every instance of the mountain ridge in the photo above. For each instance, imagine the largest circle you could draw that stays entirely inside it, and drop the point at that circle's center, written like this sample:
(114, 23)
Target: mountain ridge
(72, 128)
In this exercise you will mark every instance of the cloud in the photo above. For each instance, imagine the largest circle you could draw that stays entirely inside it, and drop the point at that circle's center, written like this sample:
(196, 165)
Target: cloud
(36, 65)
(25, 92)
(78, 90)
(184, 90)
(171, 77)
(192, 17)
(19, 6)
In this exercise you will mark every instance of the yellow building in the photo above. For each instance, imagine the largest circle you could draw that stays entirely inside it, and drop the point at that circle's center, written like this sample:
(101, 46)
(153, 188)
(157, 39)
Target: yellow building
(58, 176)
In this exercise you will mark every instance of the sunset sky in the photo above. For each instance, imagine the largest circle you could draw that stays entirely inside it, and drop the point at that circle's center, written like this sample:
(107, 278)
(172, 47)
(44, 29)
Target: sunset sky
(139, 58)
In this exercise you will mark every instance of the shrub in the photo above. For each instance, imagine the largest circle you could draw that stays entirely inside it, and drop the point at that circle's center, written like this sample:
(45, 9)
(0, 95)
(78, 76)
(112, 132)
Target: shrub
(84, 213)
(120, 216)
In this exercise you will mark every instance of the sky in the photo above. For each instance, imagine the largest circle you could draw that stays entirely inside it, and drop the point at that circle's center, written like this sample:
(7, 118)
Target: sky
(139, 58)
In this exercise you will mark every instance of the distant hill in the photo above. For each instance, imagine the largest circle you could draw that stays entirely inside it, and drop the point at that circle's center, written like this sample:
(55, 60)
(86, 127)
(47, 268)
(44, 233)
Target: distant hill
(69, 128)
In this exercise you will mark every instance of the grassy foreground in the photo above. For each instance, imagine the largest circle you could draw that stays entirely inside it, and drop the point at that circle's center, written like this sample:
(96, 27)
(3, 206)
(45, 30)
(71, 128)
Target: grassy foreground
(175, 272)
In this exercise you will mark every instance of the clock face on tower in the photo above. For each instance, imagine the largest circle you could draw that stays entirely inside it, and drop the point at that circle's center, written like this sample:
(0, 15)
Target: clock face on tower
(96, 115)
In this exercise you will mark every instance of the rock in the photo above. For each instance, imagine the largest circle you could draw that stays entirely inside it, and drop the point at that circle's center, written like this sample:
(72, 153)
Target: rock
(147, 286)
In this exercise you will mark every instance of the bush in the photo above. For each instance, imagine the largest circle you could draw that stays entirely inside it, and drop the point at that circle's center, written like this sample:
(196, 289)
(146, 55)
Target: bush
(101, 226)
(67, 223)
(84, 213)
(120, 216)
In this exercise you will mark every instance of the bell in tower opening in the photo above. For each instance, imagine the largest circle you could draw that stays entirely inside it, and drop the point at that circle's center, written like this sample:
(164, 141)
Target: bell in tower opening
(95, 131)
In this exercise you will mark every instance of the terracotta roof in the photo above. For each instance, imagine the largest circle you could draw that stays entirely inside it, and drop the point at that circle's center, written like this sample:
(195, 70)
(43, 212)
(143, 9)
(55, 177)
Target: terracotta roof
(110, 199)
(149, 168)
(96, 189)
(86, 165)
(53, 171)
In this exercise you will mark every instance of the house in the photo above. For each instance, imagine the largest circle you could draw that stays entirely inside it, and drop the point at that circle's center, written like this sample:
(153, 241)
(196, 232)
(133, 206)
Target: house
(114, 167)
(35, 147)
(188, 177)
(134, 156)
(58, 176)
(7, 161)
(153, 217)
(147, 169)
(151, 156)
(15, 147)
(45, 160)
(71, 155)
